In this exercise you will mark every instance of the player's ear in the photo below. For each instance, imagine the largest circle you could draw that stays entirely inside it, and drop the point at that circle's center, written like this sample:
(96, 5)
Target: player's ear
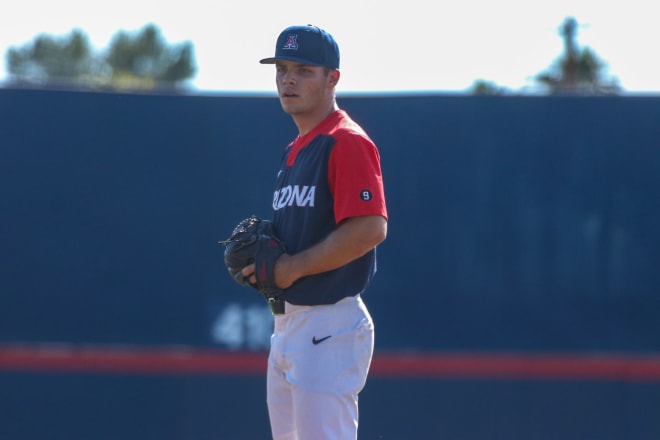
(333, 77)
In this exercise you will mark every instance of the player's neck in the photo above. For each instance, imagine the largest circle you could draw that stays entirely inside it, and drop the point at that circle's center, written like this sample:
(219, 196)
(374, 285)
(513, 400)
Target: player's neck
(308, 121)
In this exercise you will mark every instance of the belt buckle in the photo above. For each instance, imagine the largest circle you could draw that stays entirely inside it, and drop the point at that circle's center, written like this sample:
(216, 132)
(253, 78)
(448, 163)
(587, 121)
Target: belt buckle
(276, 306)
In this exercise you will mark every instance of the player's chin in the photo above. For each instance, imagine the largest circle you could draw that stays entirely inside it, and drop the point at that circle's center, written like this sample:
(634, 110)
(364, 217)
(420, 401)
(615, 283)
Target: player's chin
(290, 106)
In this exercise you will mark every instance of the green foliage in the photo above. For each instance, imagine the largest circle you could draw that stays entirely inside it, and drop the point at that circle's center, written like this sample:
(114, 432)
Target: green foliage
(483, 87)
(143, 60)
(52, 60)
(147, 55)
(579, 70)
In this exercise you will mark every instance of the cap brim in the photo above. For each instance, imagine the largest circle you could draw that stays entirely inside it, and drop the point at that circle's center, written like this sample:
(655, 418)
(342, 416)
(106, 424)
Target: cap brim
(273, 60)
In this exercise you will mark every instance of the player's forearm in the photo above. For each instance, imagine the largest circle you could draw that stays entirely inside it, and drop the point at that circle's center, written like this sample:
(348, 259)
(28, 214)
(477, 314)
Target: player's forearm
(351, 240)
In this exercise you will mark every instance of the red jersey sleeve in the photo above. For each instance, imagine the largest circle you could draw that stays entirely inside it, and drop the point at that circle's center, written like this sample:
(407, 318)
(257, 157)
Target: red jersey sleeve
(355, 177)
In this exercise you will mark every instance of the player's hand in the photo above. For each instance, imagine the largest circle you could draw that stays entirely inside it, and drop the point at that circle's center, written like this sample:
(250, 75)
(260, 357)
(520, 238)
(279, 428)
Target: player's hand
(248, 274)
(283, 277)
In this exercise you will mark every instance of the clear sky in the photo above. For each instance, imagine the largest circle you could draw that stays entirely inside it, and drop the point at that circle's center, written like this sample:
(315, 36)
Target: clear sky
(411, 45)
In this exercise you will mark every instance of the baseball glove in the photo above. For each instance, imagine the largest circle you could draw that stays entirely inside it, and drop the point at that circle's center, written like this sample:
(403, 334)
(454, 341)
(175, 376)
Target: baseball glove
(254, 241)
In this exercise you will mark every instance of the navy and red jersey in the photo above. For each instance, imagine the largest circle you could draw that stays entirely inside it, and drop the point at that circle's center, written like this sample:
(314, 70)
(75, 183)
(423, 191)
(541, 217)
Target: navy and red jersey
(326, 176)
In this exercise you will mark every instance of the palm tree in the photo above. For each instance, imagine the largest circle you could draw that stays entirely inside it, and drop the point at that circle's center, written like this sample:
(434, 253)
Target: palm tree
(579, 71)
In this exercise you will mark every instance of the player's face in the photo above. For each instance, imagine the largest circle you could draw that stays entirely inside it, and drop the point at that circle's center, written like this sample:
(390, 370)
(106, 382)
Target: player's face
(303, 89)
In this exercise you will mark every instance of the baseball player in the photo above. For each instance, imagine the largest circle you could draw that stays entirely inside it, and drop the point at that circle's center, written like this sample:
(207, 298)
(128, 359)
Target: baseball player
(329, 213)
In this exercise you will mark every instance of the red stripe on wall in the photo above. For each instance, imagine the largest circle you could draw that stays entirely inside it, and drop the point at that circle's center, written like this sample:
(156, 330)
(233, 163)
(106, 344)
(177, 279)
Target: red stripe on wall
(520, 366)
(133, 360)
(411, 365)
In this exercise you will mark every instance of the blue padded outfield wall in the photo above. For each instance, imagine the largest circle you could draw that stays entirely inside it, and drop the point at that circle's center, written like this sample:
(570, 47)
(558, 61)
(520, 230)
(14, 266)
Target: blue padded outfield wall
(517, 294)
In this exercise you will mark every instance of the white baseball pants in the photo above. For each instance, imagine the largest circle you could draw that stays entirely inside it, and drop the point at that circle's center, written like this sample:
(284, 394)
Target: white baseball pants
(318, 363)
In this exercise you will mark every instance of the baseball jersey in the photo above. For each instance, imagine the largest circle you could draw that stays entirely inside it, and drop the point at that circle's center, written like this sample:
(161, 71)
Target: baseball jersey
(326, 176)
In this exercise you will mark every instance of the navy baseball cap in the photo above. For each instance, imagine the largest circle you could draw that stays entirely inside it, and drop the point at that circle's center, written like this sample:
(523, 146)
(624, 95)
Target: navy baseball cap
(308, 45)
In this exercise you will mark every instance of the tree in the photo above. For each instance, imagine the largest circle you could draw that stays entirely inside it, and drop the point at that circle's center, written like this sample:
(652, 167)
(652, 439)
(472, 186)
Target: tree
(146, 58)
(52, 60)
(141, 61)
(578, 71)
(483, 87)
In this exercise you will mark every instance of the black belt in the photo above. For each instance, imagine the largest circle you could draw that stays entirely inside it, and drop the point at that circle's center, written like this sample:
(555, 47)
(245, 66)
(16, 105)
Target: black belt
(276, 306)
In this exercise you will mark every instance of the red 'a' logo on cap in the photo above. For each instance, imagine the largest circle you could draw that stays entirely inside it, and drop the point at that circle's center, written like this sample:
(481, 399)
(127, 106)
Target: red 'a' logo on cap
(291, 42)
